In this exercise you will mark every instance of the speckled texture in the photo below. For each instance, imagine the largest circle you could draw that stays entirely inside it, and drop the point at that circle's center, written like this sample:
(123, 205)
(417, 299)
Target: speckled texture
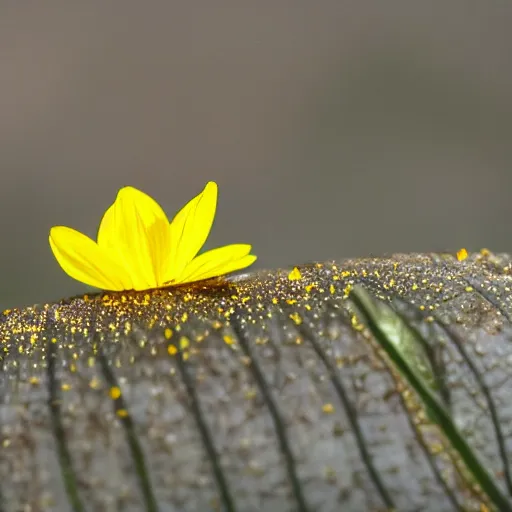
(262, 392)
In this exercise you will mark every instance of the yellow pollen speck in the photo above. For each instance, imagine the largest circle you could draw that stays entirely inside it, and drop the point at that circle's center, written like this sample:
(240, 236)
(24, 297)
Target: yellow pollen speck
(295, 274)
(291, 301)
(250, 393)
(122, 413)
(34, 381)
(462, 254)
(184, 343)
(328, 408)
(414, 287)
(469, 288)
(309, 287)
(228, 339)
(94, 383)
(332, 289)
(54, 340)
(296, 318)
(168, 334)
(356, 324)
(184, 317)
(115, 392)
(172, 350)
(65, 387)
(275, 300)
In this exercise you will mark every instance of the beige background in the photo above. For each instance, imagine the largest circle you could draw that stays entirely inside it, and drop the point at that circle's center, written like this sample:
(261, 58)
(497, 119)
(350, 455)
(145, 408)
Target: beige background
(333, 128)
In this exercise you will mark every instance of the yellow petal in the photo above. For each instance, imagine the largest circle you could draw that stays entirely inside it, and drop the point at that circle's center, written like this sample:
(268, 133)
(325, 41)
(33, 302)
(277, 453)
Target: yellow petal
(149, 210)
(191, 227)
(218, 262)
(225, 268)
(83, 260)
(136, 228)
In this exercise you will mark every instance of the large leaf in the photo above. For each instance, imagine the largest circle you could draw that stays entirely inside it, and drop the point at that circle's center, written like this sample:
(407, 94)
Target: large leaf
(266, 392)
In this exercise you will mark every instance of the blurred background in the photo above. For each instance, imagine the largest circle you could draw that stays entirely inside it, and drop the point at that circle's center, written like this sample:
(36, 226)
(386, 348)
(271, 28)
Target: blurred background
(334, 129)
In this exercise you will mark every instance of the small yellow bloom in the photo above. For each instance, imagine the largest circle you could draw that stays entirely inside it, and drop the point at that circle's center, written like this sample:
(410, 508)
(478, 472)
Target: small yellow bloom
(138, 248)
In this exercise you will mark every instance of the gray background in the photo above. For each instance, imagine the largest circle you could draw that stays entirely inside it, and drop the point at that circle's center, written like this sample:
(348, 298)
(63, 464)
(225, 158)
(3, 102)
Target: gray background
(334, 129)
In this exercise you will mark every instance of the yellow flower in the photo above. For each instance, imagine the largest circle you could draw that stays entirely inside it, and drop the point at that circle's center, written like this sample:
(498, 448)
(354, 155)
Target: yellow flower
(138, 249)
